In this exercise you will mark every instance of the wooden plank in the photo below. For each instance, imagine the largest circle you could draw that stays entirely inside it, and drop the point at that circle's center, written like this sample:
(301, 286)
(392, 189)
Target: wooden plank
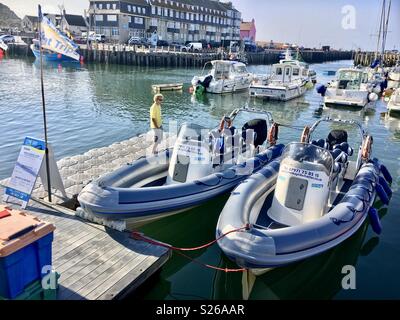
(87, 265)
(71, 246)
(90, 274)
(135, 277)
(116, 276)
(71, 259)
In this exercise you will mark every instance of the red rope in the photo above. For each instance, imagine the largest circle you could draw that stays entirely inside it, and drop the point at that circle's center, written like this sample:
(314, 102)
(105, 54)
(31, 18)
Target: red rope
(141, 237)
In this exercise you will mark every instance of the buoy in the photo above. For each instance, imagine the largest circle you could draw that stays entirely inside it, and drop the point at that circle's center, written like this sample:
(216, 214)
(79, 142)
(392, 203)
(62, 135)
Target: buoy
(382, 194)
(385, 186)
(386, 174)
(59, 56)
(321, 89)
(309, 85)
(375, 221)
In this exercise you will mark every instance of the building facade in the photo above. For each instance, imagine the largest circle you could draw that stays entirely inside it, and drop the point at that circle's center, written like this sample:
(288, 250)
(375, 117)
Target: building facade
(248, 31)
(178, 21)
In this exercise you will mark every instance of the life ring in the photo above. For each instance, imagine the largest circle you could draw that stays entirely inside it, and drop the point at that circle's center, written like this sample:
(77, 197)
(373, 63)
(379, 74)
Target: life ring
(305, 135)
(367, 148)
(273, 134)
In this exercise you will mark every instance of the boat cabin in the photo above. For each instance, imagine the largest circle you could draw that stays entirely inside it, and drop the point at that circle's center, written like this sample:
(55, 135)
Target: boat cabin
(223, 70)
(288, 70)
(351, 79)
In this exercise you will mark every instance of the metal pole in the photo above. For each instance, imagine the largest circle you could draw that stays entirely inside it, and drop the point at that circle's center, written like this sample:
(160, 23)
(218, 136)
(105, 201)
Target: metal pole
(44, 107)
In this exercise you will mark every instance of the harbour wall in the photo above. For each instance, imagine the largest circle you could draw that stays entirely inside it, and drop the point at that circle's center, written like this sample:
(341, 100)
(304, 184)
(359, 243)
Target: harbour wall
(168, 57)
(367, 58)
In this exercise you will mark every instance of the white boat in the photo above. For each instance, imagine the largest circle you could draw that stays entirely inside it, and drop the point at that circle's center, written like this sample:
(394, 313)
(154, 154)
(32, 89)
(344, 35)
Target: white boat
(225, 77)
(3, 46)
(394, 102)
(351, 89)
(394, 77)
(288, 80)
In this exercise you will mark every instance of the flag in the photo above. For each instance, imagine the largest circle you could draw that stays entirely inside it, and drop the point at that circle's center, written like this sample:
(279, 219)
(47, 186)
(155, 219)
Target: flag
(52, 39)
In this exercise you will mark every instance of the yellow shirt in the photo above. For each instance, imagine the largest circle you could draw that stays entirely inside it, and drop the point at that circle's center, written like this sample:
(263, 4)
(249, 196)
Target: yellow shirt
(155, 112)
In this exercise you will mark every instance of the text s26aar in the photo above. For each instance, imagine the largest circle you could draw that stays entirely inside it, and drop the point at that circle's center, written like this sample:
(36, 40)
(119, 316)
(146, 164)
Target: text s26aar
(206, 310)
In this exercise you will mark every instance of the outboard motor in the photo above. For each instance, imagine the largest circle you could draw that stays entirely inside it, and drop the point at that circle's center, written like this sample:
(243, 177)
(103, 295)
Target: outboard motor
(191, 158)
(302, 188)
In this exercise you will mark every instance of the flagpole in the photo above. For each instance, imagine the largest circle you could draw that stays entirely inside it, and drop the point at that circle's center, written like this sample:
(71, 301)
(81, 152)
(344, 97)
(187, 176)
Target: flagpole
(44, 107)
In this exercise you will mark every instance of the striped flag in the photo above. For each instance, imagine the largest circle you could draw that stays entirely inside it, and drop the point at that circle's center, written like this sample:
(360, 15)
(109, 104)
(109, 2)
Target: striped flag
(52, 39)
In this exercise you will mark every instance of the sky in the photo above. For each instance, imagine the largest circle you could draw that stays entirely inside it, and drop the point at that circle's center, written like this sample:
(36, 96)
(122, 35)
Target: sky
(310, 23)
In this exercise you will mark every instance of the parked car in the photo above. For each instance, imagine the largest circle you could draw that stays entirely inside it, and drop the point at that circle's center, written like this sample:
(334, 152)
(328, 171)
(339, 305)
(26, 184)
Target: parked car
(162, 43)
(193, 47)
(94, 37)
(6, 38)
(135, 41)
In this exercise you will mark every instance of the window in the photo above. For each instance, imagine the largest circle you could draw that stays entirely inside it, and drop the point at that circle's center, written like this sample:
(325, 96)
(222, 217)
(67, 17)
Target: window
(296, 72)
(99, 17)
(143, 10)
(171, 13)
(115, 31)
(108, 6)
(100, 5)
(166, 12)
(159, 11)
(279, 71)
(114, 6)
(129, 8)
(153, 10)
(287, 71)
(138, 20)
(134, 8)
(154, 22)
(112, 17)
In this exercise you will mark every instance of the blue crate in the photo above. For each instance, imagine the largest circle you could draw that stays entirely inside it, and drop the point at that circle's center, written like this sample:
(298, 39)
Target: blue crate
(23, 267)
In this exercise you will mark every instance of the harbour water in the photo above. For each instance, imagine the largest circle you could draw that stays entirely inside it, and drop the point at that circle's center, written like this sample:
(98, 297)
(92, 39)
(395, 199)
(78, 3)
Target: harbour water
(96, 105)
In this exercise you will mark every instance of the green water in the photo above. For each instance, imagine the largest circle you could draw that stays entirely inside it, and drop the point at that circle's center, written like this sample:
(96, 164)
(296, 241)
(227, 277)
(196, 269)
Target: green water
(93, 106)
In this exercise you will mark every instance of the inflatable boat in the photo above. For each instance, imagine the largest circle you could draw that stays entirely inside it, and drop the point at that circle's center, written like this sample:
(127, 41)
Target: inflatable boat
(314, 197)
(202, 165)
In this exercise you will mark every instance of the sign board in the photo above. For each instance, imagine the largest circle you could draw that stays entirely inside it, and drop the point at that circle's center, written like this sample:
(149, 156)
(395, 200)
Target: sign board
(31, 164)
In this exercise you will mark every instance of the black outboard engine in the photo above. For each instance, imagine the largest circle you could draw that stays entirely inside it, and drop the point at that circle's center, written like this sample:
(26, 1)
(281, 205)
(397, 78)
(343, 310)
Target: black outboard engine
(336, 137)
(260, 128)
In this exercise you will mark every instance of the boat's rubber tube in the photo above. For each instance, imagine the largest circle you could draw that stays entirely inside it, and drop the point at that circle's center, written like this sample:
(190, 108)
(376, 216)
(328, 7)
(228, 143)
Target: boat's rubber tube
(264, 248)
(129, 193)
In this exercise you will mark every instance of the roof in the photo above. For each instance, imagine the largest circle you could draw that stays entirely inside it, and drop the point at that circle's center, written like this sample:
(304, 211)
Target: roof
(246, 26)
(197, 4)
(230, 62)
(75, 20)
(142, 3)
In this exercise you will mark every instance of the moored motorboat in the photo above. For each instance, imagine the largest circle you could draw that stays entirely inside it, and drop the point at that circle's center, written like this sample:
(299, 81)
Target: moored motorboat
(313, 198)
(351, 89)
(394, 102)
(288, 80)
(194, 171)
(225, 76)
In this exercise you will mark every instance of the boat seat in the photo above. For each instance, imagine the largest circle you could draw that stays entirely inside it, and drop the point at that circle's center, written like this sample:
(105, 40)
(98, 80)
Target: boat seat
(345, 148)
(336, 137)
(320, 143)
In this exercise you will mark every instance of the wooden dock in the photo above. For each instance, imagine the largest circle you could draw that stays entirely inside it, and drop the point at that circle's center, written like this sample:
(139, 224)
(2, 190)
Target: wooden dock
(94, 262)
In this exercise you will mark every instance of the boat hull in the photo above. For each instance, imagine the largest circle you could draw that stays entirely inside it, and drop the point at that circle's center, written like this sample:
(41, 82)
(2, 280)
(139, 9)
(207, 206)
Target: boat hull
(154, 200)
(261, 248)
(278, 93)
(51, 57)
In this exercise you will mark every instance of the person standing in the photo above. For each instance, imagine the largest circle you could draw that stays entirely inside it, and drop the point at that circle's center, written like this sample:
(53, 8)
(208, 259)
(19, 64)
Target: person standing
(156, 121)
